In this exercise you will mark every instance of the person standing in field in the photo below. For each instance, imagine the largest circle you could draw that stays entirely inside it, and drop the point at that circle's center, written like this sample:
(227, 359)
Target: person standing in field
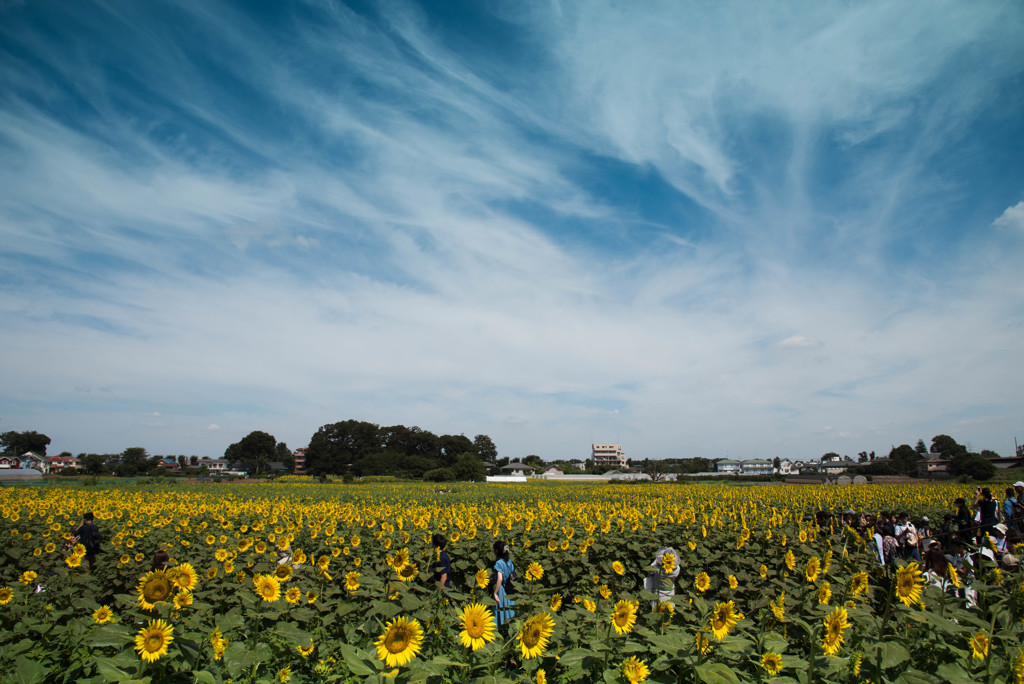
(89, 536)
(988, 512)
(443, 566)
(662, 578)
(504, 570)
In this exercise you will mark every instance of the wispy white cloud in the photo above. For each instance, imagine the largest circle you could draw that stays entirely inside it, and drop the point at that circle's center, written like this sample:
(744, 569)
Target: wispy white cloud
(369, 255)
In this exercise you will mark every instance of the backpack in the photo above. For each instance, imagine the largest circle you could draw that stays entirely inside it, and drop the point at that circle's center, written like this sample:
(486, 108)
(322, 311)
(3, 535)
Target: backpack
(93, 539)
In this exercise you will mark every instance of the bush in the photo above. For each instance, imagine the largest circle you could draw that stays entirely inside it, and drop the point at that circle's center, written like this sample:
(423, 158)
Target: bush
(439, 475)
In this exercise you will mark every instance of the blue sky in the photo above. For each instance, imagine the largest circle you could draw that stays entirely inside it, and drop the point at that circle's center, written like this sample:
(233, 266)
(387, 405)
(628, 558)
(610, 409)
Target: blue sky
(749, 229)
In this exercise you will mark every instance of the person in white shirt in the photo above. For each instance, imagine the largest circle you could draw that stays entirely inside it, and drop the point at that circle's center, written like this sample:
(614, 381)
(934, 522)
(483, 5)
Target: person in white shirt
(906, 535)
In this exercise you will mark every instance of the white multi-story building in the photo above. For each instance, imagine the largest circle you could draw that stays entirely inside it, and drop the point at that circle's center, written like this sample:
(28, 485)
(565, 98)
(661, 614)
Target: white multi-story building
(608, 455)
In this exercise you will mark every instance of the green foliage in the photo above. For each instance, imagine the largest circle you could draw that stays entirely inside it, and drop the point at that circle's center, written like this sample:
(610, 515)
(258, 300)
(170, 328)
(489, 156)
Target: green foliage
(17, 443)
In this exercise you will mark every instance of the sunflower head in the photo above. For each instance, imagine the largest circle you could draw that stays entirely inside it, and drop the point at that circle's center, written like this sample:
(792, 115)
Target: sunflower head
(624, 616)
(154, 587)
(859, 584)
(556, 602)
(482, 578)
(772, 662)
(909, 582)
(477, 626)
(635, 670)
(979, 646)
(293, 595)
(835, 623)
(102, 614)
(400, 641)
(534, 572)
(153, 640)
(618, 568)
(283, 572)
(702, 582)
(267, 587)
(723, 619)
(533, 637)
(407, 572)
(351, 581)
(812, 569)
(185, 577)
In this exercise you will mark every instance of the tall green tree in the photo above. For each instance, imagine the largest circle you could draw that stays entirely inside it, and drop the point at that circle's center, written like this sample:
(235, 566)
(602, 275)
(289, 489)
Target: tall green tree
(905, 459)
(133, 461)
(256, 449)
(485, 449)
(17, 443)
(946, 446)
(336, 447)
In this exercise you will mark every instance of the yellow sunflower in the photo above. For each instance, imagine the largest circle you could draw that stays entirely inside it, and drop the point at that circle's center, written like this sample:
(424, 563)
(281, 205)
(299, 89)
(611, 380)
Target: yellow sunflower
(482, 578)
(589, 605)
(954, 576)
(351, 581)
(408, 572)
(534, 572)
(624, 616)
(221, 555)
(702, 643)
(219, 644)
(400, 641)
(27, 577)
(835, 623)
(306, 651)
(1018, 668)
(618, 568)
(267, 587)
(182, 599)
(772, 662)
(733, 582)
(73, 561)
(909, 583)
(533, 637)
(724, 619)
(542, 676)
(605, 592)
(763, 571)
(152, 640)
(778, 607)
(293, 595)
(824, 593)
(283, 572)
(812, 569)
(979, 646)
(102, 614)
(186, 577)
(790, 560)
(477, 626)
(668, 563)
(311, 596)
(859, 584)
(154, 587)
(702, 582)
(635, 670)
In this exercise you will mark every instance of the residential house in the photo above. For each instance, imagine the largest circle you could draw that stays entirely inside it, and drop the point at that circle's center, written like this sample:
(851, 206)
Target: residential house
(516, 468)
(727, 465)
(757, 466)
(300, 460)
(785, 466)
(30, 459)
(60, 463)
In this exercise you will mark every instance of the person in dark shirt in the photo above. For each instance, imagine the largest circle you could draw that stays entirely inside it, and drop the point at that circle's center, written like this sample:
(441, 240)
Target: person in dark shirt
(963, 520)
(443, 567)
(89, 536)
(988, 510)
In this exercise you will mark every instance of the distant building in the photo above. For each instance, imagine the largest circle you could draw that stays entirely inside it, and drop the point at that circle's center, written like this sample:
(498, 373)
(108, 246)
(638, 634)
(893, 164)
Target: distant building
(607, 456)
(785, 466)
(727, 465)
(30, 459)
(59, 463)
(300, 460)
(516, 469)
(216, 466)
(757, 466)
(554, 470)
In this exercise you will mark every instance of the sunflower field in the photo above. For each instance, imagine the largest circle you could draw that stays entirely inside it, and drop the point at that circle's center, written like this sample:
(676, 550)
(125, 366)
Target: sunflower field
(310, 582)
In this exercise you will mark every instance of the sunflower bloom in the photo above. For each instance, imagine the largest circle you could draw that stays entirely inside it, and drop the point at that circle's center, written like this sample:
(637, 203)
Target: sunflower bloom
(533, 637)
(859, 584)
(186, 577)
(154, 587)
(824, 593)
(778, 607)
(351, 581)
(542, 676)
(219, 644)
(635, 670)
(408, 572)
(102, 614)
(702, 643)
(28, 576)
(909, 582)
(624, 616)
(835, 623)
(555, 603)
(724, 619)
(400, 641)
(293, 595)
(618, 568)
(668, 563)
(1018, 668)
(483, 578)
(812, 570)
(267, 587)
(733, 582)
(772, 662)
(534, 572)
(790, 560)
(477, 626)
(589, 605)
(152, 640)
(702, 582)
(954, 576)
(979, 646)
(306, 651)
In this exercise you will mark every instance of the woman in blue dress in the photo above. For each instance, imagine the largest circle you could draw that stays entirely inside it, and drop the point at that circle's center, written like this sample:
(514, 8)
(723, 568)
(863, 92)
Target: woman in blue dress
(504, 568)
